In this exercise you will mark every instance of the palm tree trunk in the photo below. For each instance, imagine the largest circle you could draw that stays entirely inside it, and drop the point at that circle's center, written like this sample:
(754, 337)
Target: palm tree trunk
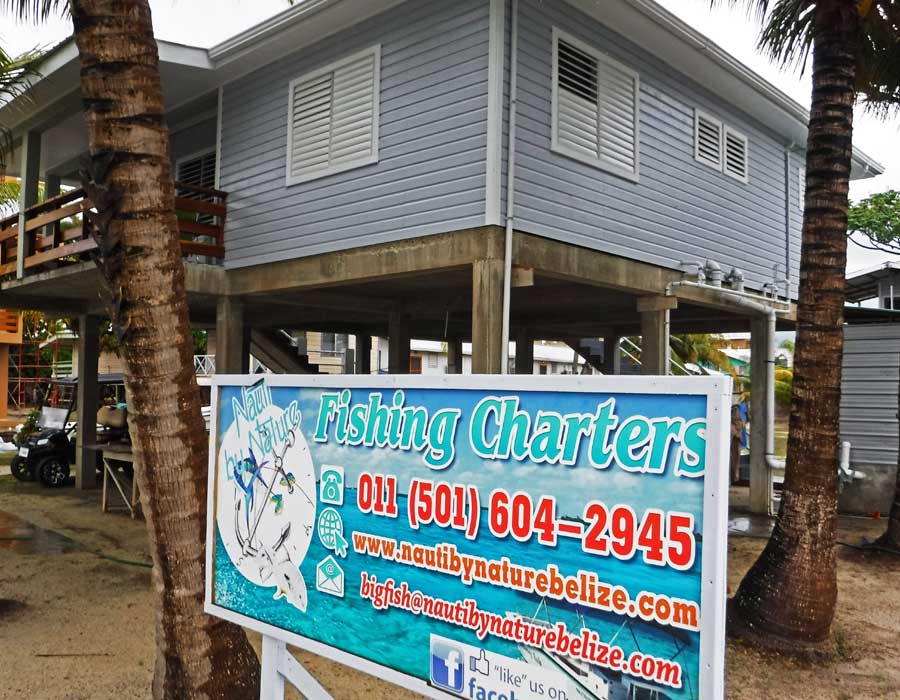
(787, 599)
(131, 183)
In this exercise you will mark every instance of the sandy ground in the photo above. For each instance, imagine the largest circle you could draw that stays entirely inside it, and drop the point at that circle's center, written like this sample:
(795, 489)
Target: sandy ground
(76, 613)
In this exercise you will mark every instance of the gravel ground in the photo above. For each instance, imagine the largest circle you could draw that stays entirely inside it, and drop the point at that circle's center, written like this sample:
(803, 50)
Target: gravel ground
(76, 613)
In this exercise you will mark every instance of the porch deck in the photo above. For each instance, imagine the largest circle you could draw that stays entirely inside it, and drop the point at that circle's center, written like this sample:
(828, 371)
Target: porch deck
(56, 234)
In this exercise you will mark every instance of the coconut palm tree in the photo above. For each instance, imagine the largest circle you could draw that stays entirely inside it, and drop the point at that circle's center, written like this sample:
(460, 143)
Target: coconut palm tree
(130, 181)
(704, 349)
(787, 599)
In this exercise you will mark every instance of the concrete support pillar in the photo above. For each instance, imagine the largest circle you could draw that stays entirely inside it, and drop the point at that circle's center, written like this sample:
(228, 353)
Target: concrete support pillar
(760, 479)
(655, 353)
(28, 193)
(487, 316)
(86, 402)
(52, 186)
(612, 358)
(232, 337)
(524, 352)
(398, 343)
(363, 353)
(454, 356)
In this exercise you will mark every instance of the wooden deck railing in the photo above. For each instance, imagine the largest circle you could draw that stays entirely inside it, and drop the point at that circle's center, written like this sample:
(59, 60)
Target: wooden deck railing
(10, 327)
(55, 229)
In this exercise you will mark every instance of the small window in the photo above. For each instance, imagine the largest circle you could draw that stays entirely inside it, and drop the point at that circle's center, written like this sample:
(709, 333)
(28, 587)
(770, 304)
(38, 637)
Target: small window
(333, 117)
(707, 139)
(198, 170)
(801, 187)
(736, 164)
(595, 107)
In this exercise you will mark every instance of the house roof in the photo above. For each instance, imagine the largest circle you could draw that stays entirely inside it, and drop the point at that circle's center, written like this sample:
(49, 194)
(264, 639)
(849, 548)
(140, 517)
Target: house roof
(661, 33)
(858, 315)
(54, 99)
(863, 284)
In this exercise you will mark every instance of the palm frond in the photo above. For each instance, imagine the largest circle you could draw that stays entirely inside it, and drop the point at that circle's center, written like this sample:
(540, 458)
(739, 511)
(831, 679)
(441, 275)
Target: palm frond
(878, 60)
(9, 196)
(15, 74)
(34, 10)
(786, 37)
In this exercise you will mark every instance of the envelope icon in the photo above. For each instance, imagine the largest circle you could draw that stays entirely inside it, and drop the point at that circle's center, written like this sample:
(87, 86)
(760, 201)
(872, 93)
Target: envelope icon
(330, 577)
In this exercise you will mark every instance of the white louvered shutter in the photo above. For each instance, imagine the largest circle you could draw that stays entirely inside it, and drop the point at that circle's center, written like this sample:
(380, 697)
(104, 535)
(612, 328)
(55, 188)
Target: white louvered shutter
(618, 92)
(198, 170)
(707, 139)
(596, 108)
(801, 188)
(334, 118)
(736, 164)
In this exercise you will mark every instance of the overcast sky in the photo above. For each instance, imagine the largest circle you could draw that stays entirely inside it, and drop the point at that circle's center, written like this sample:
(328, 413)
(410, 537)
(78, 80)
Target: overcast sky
(207, 22)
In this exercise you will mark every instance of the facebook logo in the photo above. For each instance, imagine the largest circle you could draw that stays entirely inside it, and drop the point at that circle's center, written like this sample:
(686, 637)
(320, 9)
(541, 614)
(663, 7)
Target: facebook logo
(446, 666)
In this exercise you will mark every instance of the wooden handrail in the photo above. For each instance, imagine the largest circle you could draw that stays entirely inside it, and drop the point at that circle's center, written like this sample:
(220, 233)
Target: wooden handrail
(206, 191)
(201, 227)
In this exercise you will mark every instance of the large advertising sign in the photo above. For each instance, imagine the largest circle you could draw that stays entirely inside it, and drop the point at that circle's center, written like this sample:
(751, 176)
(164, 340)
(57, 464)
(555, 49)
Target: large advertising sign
(489, 538)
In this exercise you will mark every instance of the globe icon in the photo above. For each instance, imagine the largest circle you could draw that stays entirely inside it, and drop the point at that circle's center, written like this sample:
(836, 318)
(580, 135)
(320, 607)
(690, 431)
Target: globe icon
(330, 528)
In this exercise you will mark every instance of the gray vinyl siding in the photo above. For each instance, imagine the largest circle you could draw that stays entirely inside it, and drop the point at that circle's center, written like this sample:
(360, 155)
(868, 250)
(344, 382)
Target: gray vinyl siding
(680, 209)
(430, 177)
(869, 393)
(193, 140)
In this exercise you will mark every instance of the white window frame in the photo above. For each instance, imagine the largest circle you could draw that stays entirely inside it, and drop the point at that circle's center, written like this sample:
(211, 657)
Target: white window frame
(375, 51)
(609, 61)
(726, 130)
(698, 115)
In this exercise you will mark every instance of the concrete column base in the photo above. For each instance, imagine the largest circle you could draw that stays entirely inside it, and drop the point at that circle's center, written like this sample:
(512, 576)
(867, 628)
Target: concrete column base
(86, 402)
(760, 479)
(398, 344)
(363, 353)
(232, 337)
(487, 316)
(524, 352)
(612, 357)
(454, 356)
(655, 353)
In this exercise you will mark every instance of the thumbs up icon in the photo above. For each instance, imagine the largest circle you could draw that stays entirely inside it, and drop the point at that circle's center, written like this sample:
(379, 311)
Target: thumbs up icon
(480, 664)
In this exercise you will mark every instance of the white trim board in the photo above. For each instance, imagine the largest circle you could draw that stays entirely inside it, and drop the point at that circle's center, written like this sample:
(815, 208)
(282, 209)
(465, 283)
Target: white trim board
(495, 107)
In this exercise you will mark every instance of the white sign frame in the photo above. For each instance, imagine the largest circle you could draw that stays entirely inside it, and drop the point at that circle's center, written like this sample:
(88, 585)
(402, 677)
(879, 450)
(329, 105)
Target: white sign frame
(713, 592)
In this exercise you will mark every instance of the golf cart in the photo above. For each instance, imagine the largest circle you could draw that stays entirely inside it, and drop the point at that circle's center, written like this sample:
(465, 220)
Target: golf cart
(47, 453)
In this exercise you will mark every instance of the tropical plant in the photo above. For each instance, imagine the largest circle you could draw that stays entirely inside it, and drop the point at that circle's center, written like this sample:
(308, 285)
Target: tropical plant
(877, 219)
(14, 74)
(9, 196)
(787, 599)
(704, 349)
(130, 181)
